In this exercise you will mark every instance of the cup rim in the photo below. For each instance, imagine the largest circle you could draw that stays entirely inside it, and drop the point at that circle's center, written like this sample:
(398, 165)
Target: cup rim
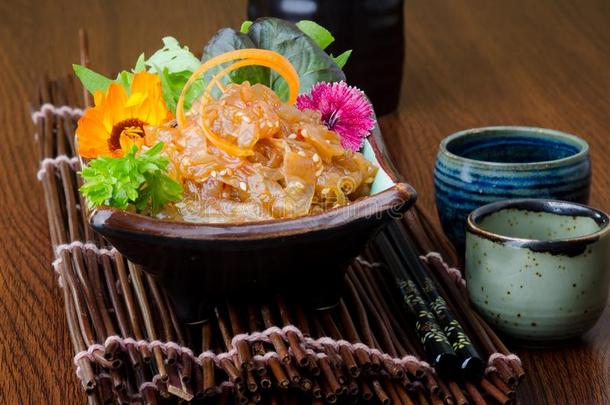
(558, 207)
(533, 131)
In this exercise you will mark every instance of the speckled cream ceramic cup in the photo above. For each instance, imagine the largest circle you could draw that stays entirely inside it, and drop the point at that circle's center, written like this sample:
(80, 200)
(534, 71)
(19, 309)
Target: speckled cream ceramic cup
(538, 270)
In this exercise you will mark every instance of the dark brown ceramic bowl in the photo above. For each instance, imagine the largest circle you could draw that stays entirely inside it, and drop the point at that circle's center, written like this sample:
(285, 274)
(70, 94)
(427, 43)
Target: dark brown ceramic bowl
(304, 258)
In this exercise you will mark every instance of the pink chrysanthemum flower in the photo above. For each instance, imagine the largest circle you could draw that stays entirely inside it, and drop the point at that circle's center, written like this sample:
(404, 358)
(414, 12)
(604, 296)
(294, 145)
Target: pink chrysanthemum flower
(344, 109)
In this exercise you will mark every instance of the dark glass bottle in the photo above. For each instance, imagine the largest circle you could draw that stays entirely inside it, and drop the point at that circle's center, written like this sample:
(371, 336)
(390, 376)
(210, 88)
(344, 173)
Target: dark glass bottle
(374, 29)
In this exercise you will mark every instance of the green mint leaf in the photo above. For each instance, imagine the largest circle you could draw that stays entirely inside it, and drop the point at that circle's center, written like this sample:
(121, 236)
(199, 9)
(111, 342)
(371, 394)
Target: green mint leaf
(91, 80)
(315, 31)
(341, 60)
(245, 26)
(138, 180)
(173, 57)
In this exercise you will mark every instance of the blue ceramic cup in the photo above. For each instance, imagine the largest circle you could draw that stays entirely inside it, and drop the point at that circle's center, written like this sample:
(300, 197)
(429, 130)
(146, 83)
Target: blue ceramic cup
(479, 166)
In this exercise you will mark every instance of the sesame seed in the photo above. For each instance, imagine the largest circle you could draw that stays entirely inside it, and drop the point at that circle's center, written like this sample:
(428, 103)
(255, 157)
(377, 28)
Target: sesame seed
(316, 157)
(292, 136)
(301, 153)
(243, 185)
(213, 173)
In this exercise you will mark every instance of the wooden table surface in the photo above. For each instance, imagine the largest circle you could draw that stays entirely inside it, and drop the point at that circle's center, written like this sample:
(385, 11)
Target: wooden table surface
(469, 63)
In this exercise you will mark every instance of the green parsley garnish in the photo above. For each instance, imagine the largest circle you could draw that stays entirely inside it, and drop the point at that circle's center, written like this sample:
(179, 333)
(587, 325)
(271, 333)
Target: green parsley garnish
(140, 181)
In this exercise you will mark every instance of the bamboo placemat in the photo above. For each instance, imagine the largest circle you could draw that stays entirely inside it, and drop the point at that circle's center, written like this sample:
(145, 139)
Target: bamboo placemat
(130, 347)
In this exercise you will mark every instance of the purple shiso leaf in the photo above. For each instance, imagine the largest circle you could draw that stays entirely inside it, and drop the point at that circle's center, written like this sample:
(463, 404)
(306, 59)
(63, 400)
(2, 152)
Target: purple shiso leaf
(345, 110)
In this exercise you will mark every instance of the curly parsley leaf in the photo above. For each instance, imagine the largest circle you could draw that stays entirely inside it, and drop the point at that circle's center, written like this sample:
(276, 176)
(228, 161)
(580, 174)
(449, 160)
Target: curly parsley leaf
(157, 191)
(138, 180)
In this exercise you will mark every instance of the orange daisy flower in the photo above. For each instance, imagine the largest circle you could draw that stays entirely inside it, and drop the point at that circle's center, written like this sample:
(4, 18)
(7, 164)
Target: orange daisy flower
(117, 120)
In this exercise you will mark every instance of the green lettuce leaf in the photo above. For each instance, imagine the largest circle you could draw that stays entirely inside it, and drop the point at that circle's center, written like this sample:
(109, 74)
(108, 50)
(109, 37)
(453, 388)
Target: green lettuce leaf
(310, 61)
(92, 81)
(245, 26)
(315, 31)
(124, 78)
(175, 64)
(173, 57)
(341, 60)
(140, 64)
(226, 40)
(172, 85)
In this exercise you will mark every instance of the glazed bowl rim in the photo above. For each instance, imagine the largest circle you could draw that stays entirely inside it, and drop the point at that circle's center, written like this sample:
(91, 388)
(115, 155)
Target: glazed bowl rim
(547, 205)
(108, 220)
(534, 131)
(133, 223)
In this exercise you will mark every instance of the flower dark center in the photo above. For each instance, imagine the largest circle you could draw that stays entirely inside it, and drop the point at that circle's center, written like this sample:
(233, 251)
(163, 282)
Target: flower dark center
(132, 128)
(331, 119)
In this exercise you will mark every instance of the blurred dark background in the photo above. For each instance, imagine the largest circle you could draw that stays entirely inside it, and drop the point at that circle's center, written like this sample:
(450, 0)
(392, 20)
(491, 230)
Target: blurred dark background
(373, 29)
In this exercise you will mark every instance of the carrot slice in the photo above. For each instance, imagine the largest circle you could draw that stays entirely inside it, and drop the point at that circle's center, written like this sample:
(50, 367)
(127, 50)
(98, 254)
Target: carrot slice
(215, 139)
(272, 59)
(245, 62)
(224, 145)
(248, 57)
